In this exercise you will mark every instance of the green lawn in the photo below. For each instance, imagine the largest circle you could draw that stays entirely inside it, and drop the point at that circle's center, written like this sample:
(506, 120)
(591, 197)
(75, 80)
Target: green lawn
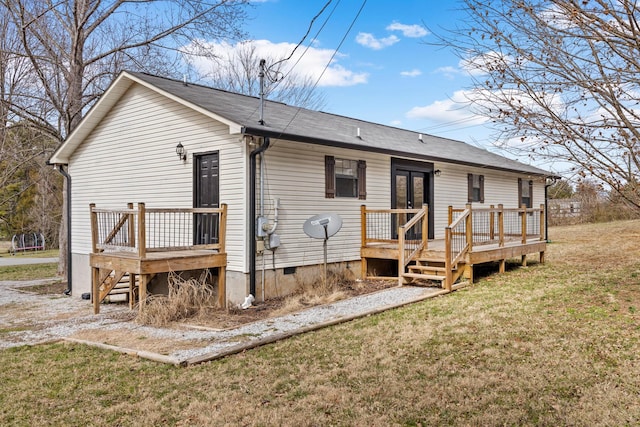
(29, 271)
(553, 344)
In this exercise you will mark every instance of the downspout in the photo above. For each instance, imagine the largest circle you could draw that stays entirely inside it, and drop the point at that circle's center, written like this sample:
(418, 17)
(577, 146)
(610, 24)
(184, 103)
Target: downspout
(67, 177)
(252, 209)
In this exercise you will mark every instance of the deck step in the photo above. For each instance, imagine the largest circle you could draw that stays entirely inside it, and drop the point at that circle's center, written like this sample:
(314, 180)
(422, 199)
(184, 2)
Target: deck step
(427, 268)
(425, 276)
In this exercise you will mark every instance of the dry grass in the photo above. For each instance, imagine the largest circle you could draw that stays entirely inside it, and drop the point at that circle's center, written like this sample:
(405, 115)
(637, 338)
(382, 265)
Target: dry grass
(187, 298)
(546, 345)
(316, 291)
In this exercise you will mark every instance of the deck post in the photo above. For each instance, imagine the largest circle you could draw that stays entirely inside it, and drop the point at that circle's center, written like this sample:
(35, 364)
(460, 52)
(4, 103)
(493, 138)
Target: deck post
(363, 225)
(492, 220)
(131, 218)
(142, 238)
(450, 214)
(363, 240)
(469, 227)
(401, 255)
(500, 225)
(524, 224)
(542, 222)
(142, 297)
(94, 228)
(425, 227)
(95, 291)
(222, 287)
(447, 259)
(132, 287)
(222, 228)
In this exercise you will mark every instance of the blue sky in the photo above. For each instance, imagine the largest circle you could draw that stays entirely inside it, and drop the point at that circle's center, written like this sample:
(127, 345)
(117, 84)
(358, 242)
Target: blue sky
(384, 71)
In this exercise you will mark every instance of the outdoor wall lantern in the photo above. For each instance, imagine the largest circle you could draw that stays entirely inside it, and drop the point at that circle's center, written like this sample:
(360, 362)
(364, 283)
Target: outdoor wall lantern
(181, 152)
(437, 172)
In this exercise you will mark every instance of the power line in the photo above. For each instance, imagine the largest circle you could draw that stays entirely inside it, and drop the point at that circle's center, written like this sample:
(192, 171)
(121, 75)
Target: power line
(301, 41)
(335, 52)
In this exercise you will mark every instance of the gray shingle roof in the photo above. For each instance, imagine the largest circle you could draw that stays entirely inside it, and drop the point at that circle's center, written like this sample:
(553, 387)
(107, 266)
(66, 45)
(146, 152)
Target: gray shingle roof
(299, 124)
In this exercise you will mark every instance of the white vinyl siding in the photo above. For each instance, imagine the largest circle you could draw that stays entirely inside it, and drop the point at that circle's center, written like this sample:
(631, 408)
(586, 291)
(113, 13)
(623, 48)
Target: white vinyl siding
(500, 187)
(294, 173)
(130, 157)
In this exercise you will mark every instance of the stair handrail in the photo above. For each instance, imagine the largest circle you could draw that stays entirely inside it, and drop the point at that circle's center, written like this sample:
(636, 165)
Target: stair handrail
(403, 257)
(455, 253)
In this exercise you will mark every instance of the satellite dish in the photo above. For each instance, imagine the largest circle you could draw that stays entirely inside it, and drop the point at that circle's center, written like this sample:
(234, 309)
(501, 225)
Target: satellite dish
(322, 226)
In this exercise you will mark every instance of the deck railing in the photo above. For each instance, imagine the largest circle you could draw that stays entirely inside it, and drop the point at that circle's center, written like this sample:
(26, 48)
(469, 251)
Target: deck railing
(380, 226)
(497, 225)
(413, 237)
(457, 241)
(141, 230)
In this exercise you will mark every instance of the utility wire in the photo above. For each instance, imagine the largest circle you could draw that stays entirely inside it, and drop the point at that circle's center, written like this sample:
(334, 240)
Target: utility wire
(335, 52)
(302, 40)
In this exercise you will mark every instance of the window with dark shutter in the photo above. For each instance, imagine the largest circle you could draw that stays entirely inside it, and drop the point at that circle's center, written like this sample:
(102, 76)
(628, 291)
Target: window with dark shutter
(525, 192)
(345, 178)
(475, 188)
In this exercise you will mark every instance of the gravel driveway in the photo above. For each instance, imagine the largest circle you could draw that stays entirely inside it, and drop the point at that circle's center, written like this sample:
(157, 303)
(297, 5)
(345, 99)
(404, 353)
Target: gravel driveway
(27, 318)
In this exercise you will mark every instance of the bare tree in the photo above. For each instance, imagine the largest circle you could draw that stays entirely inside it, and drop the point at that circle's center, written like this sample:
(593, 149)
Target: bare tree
(75, 48)
(561, 80)
(238, 71)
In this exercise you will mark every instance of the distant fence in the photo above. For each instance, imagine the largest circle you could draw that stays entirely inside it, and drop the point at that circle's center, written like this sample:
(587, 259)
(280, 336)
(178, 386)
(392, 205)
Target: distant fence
(27, 242)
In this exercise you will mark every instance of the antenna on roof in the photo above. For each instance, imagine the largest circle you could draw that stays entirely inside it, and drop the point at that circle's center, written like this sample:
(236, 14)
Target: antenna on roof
(261, 75)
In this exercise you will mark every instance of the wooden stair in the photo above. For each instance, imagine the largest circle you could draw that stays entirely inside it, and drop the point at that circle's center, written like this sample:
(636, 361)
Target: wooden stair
(430, 267)
(117, 283)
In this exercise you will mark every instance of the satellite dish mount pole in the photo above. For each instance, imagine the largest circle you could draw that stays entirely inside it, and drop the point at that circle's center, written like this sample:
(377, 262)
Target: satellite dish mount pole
(326, 238)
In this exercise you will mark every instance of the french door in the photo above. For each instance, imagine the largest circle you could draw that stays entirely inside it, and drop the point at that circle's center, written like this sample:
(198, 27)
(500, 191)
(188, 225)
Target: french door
(411, 188)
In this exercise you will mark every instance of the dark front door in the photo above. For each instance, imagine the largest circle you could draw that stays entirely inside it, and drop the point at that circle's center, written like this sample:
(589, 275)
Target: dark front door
(411, 188)
(206, 196)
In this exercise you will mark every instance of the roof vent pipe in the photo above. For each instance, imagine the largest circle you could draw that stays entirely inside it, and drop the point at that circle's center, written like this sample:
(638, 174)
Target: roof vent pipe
(420, 137)
(358, 133)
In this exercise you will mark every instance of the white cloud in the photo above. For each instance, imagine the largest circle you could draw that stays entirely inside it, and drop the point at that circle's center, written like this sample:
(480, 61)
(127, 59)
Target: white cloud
(311, 61)
(370, 41)
(413, 73)
(408, 30)
(395, 123)
(453, 110)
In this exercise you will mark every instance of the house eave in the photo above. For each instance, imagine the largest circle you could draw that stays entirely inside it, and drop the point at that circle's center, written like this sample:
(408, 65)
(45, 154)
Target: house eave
(263, 132)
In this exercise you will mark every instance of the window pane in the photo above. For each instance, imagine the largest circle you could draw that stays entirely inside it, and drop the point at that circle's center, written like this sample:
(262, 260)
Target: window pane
(418, 192)
(346, 178)
(346, 186)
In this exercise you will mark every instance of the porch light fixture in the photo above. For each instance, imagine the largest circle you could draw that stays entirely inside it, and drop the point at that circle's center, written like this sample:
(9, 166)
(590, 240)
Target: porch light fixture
(181, 152)
(437, 172)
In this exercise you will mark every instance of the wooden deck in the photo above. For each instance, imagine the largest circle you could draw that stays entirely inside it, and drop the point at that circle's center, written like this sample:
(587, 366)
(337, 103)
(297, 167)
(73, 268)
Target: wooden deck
(473, 237)
(136, 244)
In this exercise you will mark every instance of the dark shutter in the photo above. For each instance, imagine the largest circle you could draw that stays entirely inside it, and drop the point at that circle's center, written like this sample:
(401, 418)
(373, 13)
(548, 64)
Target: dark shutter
(481, 188)
(519, 192)
(469, 188)
(329, 177)
(362, 180)
(530, 194)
